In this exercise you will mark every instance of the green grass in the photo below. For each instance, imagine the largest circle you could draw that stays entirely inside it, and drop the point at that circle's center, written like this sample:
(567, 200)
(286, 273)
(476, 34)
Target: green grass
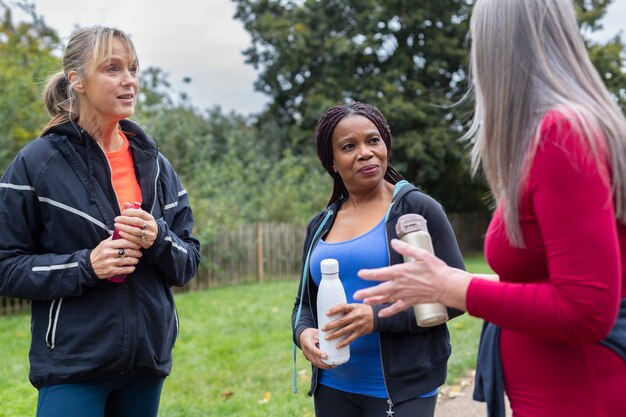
(232, 358)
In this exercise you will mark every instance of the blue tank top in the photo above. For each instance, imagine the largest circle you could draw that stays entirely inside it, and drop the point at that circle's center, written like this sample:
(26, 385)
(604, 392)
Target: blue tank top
(363, 373)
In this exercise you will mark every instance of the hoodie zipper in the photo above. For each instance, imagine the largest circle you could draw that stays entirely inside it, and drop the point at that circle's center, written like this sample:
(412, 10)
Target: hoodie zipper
(396, 190)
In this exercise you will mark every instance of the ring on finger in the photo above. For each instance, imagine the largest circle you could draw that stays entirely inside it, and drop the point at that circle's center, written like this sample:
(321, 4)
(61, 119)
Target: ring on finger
(121, 253)
(145, 223)
(143, 234)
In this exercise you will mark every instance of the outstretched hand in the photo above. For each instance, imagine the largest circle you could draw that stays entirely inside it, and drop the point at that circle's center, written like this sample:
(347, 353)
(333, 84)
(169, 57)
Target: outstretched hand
(426, 279)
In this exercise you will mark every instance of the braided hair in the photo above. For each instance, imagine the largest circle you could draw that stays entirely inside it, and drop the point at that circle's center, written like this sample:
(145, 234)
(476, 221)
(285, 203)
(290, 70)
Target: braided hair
(324, 141)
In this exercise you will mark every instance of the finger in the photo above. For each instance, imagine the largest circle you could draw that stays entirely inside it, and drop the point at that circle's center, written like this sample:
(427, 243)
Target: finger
(404, 248)
(118, 253)
(136, 207)
(133, 253)
(126, 261)
(345, 342)
(339, 323)
(127, 241)
(322, 365)
(379, 274)
(132, 233)
(378, 299)
(383, 291)
(120, 270)
(316, 355)
(336, 332)
(339, 309)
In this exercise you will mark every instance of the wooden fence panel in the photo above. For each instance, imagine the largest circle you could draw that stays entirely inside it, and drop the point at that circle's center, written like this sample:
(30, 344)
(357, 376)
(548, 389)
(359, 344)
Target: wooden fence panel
(11, 306)
(469, 229)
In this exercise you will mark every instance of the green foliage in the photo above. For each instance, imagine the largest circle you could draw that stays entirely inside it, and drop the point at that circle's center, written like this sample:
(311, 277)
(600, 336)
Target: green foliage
(609, 58)
(233, 172)
(409, 59)
(27, 58)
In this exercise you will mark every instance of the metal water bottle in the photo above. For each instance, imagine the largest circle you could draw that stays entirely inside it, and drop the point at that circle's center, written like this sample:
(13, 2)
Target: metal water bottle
(411, 228)
(329, 294)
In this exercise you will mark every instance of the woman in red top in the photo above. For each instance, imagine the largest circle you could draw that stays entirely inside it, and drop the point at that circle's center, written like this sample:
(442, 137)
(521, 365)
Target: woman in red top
(552, 143)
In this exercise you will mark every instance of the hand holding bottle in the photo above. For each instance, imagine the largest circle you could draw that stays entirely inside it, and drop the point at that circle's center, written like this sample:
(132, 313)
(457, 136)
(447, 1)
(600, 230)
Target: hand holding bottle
(412, 229)
(137, 225)
(331, 294)
(355, 320)
(427, 279)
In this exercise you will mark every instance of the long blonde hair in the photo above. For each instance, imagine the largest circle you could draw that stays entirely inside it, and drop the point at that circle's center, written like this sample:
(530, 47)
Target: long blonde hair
(85, 50)
(527, 58)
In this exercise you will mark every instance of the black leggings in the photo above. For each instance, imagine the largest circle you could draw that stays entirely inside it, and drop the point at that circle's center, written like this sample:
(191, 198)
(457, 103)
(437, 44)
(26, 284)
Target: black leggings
(330, 402)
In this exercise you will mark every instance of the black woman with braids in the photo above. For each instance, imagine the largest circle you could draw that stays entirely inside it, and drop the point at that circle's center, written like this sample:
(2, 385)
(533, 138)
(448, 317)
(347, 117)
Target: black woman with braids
(395, 366)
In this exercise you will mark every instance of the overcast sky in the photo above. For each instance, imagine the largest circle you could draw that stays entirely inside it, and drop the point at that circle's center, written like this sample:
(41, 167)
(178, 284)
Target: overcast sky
(197, 39)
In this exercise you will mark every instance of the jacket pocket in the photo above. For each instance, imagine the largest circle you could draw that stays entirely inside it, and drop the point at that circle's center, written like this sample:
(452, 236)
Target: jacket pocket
(169, 333)
(53, 322)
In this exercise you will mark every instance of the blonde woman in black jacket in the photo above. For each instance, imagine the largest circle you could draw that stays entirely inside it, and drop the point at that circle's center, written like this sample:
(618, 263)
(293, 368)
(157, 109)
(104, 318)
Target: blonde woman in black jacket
(103, 316)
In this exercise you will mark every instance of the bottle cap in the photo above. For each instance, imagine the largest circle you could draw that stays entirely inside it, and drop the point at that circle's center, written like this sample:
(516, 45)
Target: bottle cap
(408, 223)
(329, 266)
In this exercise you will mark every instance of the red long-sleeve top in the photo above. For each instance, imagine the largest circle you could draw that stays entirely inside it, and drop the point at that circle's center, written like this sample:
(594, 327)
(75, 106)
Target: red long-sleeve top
(559, 294)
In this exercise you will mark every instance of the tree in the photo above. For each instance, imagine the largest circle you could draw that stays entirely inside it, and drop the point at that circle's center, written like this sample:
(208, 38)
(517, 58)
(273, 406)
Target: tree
(408, 58)
(27, 58)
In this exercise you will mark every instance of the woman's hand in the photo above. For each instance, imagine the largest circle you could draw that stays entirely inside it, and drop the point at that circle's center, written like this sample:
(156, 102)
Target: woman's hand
(357, 320)
(137, 226)
(425, 280)
(114, 257)
(309, 343)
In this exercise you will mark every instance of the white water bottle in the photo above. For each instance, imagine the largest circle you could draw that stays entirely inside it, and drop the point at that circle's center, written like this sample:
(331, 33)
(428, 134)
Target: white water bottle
(411, 228)
(329, 294)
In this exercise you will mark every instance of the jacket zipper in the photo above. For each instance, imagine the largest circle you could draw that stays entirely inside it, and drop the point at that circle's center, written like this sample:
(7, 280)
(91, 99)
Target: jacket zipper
(126, 295)
(53, 320)
(156, 180)
(380, 343)
(396, 190)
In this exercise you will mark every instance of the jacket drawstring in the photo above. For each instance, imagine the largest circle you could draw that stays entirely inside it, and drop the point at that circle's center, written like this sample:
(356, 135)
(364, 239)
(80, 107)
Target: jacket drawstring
(294, 382)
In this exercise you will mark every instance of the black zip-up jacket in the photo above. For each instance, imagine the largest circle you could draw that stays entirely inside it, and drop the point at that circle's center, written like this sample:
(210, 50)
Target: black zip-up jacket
(57, 203)
(414, 359)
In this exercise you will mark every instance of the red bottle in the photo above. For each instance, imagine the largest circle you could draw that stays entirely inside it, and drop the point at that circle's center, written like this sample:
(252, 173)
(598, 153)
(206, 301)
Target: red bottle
(116, 235)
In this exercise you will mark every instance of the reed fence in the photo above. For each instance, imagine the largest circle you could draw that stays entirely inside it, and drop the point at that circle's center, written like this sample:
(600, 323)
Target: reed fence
(271, 251)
